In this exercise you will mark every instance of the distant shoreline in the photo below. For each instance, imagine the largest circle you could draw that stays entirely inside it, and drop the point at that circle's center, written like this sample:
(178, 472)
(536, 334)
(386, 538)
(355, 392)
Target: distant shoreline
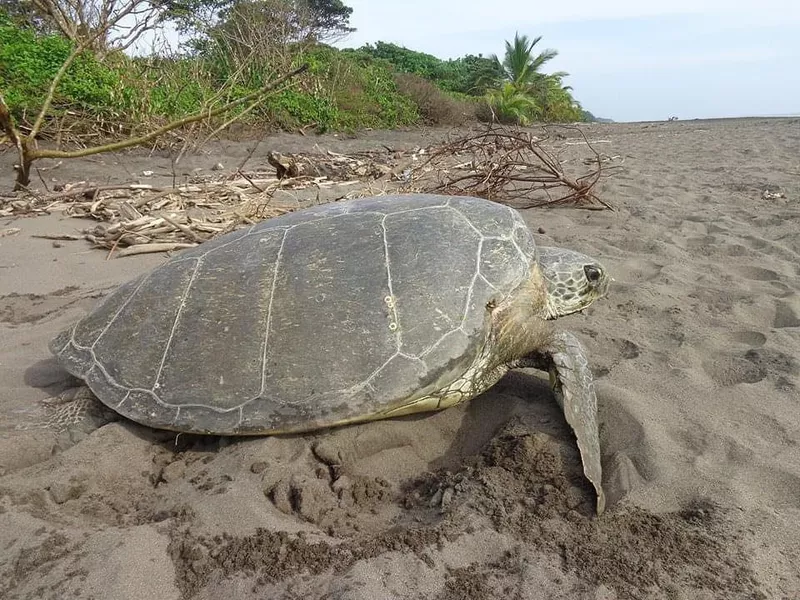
(694, 119)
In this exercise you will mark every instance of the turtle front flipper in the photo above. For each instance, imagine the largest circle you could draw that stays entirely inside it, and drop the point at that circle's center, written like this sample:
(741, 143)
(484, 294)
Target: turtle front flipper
(573, 385)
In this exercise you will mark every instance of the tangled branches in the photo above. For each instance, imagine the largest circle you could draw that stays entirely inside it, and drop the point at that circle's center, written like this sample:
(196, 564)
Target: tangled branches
(510, 166)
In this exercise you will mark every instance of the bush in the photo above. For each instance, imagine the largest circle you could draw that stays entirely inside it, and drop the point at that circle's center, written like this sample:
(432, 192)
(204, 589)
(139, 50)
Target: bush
(29, 62)
(381, 86)
(435, 106)
(341, 91)
(468, 75)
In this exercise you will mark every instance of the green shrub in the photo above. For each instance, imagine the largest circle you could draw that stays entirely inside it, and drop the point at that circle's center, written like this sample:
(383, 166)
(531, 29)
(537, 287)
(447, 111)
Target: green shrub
(29, 62)
(468, 75)
(512, 106)
(381, 86)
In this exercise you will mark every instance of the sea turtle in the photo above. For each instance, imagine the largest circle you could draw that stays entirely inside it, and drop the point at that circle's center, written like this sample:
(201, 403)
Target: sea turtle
(342, 313)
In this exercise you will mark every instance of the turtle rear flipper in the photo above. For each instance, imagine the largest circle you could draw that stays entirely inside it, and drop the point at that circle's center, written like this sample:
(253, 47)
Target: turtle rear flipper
(573, 385)
(72, 415)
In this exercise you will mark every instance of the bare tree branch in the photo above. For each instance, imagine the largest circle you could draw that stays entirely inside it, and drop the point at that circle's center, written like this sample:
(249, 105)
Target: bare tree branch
(29, 153)
(81, 20)
(138, 141)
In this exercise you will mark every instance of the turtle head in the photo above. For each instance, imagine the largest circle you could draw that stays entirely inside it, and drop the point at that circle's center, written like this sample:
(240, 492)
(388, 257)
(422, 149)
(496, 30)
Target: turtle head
(573, 280)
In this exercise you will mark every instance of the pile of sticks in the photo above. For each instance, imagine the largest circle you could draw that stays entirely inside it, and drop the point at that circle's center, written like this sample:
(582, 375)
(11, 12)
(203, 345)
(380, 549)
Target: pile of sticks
(138, 218)
(506, 165)
(512, 166)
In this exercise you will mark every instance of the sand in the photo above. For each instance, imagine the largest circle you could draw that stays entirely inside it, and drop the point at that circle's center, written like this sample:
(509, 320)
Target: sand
(697, 358)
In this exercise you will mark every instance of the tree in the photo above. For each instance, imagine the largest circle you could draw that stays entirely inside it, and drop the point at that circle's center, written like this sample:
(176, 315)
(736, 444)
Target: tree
(482, 73)
(511, 105)
(100, 25)
(23, 13)
(27, 145)
(557, 101)
(320, 20)
(329, 18)
(522, 76)
(519, 66)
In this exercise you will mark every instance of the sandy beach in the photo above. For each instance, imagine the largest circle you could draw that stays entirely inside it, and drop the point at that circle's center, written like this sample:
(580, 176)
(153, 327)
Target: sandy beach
(696, 353)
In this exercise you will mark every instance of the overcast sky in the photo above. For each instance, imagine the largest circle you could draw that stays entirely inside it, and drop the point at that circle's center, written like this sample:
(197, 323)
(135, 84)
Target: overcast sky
(628, 60)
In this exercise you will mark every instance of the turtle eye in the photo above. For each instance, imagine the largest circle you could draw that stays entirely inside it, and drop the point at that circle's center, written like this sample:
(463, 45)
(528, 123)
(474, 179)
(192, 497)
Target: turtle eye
(593, 274)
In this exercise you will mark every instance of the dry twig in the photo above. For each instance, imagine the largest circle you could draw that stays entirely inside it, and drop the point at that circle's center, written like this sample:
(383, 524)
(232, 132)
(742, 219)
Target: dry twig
(511, 166)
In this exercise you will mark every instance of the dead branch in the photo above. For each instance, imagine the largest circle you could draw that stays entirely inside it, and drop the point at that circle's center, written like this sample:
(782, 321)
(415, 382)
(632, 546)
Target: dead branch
(206, 114)
(77, 20)
(511, 166)
(152, 248)
(30, 153)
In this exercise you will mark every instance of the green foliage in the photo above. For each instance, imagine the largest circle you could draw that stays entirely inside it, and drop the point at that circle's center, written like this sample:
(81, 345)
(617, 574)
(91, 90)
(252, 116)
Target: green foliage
(524, 92)
(28, 63)
(331, 17)
(362, 90)
(342, 90)
(315, 19)
(512, 106)
(469, 75)
(380, 86)
(557, 101)
(532, 95)
(436, 107)
(519, 65)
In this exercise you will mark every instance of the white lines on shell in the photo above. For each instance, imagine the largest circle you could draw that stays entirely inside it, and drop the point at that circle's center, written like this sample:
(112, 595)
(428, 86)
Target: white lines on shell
(524, 256)
(228, 243)
(178, 259)
(269, 315)
(106, 374)
(391, 299)
(366, 383)
(176, 321)
(469, 299)
(124, 399)
(471, 288)
(220, 411)
(113, 382)
(70, 339)
(417, 209)
(463, 216)
(436, 344)
(267, 231)
(487, 282)
(348, 212)
(179, 407)
(111, 321)
(509, 237)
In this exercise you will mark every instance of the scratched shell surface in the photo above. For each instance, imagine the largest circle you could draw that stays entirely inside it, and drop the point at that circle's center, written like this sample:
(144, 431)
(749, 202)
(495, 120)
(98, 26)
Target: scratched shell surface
(317, 316)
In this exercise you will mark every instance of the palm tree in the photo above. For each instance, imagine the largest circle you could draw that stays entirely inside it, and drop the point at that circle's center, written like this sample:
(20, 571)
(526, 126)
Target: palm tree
(556, 99)
(524, 92)
(520, 66)
(510, 105)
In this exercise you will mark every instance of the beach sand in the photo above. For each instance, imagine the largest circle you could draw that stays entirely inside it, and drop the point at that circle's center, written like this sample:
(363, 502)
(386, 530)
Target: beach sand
(697, 357)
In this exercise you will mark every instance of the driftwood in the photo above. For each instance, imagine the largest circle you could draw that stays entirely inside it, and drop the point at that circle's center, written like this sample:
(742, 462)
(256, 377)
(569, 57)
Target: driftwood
(284, 166)
(136, 218)
(501, 164)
